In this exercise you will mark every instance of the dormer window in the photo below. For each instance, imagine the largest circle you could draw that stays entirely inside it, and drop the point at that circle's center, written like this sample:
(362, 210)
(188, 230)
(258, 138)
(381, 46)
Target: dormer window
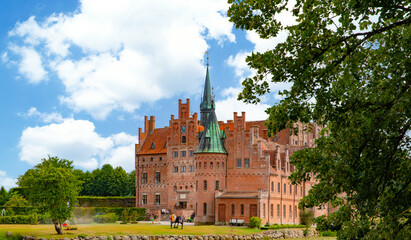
(153, 145)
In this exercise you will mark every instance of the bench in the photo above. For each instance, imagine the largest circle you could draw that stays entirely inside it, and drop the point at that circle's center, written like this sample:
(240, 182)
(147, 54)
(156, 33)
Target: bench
(236, 222)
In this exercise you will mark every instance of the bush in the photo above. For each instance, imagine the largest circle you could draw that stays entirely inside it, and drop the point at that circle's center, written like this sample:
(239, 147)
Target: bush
(91, 211)
(255, 222)
(16, 219)
(328, 234)
(105, 218)
(306, 217)
(124, 216)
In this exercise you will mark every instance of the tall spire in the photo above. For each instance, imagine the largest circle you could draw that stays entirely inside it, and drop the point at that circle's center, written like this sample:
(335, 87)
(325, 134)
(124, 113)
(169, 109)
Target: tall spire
(207, 102)
(212, 138)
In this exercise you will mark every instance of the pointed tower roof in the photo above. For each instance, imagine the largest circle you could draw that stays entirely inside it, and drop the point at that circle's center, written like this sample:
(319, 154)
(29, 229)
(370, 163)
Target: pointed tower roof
(207, 102)
(212, 138)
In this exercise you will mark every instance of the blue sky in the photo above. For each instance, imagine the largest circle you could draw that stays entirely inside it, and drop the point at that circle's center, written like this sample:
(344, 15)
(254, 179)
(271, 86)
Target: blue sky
(78, 77)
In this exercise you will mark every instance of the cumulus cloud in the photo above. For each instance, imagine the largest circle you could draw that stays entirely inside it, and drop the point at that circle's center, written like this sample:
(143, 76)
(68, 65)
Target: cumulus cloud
(44, 117)
(30, 65)
(7, 182)
(78, 141)
(118, 55)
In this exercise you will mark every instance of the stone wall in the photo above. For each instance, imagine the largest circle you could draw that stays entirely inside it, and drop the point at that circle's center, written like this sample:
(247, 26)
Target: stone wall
(271, 234)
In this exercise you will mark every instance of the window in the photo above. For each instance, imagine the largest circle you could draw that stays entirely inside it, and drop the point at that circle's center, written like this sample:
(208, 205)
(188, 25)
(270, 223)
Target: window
(175, 188)
(199, 164)
(242, 209)
(157, 199)
(217, 185)
(295, 190)
(275, 138)
(238, 162)
(295, 211)
(218, 164)
(157, 178)
(291, 189)
(272, 186)
(205, 164)
(175, 169)
(183, 168)
(183, 139)
(290, 213)
(205, 185)
(151, 159)
(204, 209)
(191, 168)
(222, 165)
(232, 210)
(191, 153)
(183, 153)
(272, 210)
(144, 177)
(278, 210)
(144, 199)
(285, 189)
(160, 158)
(175, 153)
(211, 164)
(246, 163)
(165, 145)
(153, 145)
(143, 159)
(263, 209)
(301, 190)
(284, 214)
(279, 188)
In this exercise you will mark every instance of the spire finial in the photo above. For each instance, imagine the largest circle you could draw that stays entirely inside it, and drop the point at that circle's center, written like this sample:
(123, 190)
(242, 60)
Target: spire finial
(207, 58)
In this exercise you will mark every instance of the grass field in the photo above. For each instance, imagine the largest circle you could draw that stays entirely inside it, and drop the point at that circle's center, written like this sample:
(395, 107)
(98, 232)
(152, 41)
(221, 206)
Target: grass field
(47, 231)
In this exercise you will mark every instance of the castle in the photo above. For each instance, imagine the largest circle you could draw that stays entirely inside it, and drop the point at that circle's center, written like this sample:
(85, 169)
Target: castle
(220, 171)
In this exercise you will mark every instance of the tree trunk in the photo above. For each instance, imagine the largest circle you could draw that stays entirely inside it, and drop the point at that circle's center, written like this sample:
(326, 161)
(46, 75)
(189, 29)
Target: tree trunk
(57, 226)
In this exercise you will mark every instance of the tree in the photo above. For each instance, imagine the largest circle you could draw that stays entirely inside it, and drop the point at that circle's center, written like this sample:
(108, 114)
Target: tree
(4, 196)
(53, 187)
(16, 200)
(349, 63)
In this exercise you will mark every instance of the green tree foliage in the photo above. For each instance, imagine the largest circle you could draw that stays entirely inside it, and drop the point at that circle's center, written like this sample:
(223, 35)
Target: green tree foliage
(17, 200)
(349, 63)
(4, 196)
(53, 187)
(107, 181)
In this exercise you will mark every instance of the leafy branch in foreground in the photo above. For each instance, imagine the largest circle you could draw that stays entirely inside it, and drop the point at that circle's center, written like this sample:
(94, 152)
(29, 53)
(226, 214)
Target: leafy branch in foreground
(349, 63)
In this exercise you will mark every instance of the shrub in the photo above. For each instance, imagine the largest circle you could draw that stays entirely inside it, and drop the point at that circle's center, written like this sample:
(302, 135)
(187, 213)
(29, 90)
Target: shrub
(124, 216)
(16, 219)
(255, 222)
(306, 217)
(328, 234)
(105, 218)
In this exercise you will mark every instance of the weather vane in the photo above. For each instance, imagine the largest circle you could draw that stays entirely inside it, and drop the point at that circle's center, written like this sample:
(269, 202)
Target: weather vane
(207, 58)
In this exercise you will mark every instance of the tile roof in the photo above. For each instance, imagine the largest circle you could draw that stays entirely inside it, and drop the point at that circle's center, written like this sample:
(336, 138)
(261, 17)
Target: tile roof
(159, 138)
(239, 195)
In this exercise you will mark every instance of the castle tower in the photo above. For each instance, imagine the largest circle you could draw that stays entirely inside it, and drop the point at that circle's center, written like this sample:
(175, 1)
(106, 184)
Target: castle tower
(210, 158)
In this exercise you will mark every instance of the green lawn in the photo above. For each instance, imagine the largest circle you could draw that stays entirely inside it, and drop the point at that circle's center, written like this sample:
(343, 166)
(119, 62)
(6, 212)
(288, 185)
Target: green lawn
(48, 231)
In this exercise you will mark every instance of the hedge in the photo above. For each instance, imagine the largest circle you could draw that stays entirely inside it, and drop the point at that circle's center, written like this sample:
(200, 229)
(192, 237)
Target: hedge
(92, 211)
(90, 201)
(105, 218)
(19, 210)
(17, 219)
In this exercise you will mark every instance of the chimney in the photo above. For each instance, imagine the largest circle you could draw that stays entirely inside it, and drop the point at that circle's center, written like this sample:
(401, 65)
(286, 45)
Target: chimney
(151, 124)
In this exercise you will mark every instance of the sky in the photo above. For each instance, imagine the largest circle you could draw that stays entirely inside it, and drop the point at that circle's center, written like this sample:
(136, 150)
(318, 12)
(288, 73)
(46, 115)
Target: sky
(78, 77)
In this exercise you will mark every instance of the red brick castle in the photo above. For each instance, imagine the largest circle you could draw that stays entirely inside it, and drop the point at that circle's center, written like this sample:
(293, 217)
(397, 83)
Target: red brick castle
(219, 171)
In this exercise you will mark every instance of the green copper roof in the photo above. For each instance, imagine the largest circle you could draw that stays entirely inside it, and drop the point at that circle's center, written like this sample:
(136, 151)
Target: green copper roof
(212, 138)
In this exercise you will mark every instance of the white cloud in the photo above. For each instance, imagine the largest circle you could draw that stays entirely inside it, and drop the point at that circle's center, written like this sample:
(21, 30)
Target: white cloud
(44, 117)
(226, 107)
(7, 182)
(78, 141)
(31, 65)
(132, 52)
